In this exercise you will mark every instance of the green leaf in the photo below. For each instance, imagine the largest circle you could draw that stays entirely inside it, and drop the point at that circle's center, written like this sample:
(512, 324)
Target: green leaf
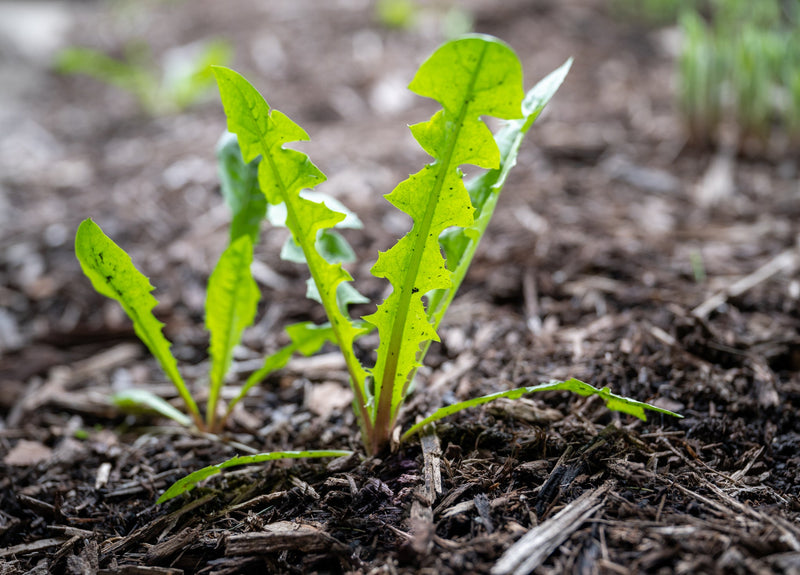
(132, 77)
(460, 244)
(350, 221)
(331, 245)
(282, 174)
(187, 74)
(239, 183)
(113, 275)
(231, 305)
(277, 213)
(190, 481)
(470, 78)
(308, 338)
(141, 400)
(613, 402)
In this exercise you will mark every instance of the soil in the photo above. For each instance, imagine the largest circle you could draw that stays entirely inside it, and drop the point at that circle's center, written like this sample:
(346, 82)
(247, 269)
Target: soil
(619, 255)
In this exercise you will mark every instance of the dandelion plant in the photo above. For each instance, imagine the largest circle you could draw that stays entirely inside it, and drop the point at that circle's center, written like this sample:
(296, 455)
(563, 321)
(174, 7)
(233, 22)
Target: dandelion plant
(470, 78)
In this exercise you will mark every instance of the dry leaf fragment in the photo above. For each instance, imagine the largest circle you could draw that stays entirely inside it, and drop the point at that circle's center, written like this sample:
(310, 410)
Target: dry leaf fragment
(27, 452)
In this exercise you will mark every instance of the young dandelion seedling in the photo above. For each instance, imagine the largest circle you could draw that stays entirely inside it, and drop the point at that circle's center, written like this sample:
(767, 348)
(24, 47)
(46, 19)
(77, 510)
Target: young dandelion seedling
(185, 78)
(471, 78)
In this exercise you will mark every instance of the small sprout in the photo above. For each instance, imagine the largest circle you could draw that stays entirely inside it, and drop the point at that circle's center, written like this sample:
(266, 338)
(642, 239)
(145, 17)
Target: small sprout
(183, 80)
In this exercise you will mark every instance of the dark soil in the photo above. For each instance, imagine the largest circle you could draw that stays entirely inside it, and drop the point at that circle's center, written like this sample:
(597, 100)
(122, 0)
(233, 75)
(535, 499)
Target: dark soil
(610, 236)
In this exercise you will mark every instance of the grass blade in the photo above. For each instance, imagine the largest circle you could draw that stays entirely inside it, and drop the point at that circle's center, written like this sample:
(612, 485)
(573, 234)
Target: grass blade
(613, 402)
(190, 481)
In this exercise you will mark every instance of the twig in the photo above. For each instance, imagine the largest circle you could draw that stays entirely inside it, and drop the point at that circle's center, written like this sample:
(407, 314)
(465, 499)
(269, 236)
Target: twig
(785, 261)
(422, 526)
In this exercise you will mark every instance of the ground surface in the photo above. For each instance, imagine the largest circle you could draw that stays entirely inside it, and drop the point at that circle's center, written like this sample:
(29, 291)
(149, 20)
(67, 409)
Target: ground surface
(609, 235)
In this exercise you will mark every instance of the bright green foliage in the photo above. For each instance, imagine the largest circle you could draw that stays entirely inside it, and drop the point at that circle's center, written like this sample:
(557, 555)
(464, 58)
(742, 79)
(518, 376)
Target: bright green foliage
(330, 244)
(740, 60)
(701, 72)
(472, 77)
(613, 402)
(113, 275)
(655, 11)
(460, 244)
(231, 304)
(282, 174)
(398, 14)
(190, 481)
(230, 308)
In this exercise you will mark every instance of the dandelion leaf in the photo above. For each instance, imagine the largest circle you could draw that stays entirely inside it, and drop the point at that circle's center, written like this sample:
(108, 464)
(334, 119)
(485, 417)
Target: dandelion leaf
(471, 77)
(113, 275)
(231, 304)
(282, 174)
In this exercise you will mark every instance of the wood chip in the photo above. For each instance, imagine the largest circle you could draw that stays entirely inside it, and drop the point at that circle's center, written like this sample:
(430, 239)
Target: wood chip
(526, 410)
(164, 550)
(432, 467)
(27, 452)
(148, 531)
(786, 261)
(327, 397)
(25, 548)
(422, 527)
(283, 536)
(482, 505)
(537, 545)
(103, 473)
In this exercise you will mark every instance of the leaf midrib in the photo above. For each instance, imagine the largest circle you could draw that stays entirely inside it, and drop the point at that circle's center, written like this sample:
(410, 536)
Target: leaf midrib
(330, 307)
(406, 289)
(220, 369)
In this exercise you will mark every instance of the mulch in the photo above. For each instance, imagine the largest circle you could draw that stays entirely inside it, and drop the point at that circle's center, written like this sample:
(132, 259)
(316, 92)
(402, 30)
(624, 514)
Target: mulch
(619, 255)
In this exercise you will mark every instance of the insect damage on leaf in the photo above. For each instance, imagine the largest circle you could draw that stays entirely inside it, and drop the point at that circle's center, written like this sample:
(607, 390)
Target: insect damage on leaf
(282, 174)
(113, 275)
(470, 78)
